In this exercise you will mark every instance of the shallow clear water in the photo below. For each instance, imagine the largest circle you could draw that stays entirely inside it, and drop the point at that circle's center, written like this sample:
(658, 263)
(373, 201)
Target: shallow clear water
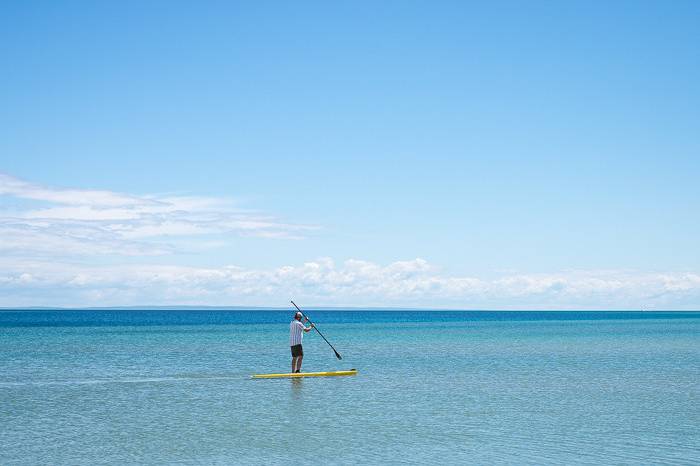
(125, 387)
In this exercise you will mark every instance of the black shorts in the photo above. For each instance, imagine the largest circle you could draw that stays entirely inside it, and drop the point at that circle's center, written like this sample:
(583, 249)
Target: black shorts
(297, 351)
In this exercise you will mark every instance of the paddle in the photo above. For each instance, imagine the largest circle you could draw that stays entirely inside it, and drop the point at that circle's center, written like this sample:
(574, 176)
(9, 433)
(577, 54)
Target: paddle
(337, 355)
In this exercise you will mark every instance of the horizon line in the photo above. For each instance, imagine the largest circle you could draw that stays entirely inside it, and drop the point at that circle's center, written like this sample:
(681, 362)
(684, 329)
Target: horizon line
(315, 308)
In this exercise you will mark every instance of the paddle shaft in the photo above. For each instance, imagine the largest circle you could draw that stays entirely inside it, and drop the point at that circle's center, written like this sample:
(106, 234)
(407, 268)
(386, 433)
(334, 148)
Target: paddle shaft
(337, 355)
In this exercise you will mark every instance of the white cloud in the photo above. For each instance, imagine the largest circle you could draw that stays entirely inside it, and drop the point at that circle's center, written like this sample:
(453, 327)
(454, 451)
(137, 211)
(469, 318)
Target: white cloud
(11, 186)
(49, 249)
(413, 283)
(88, 222)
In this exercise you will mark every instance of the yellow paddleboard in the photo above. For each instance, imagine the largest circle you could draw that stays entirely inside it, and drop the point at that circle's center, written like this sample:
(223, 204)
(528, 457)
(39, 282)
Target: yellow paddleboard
(305, 374)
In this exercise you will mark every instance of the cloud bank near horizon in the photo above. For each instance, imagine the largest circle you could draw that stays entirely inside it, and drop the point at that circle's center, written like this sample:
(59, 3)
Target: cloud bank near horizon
(413, 283)
(77, 248)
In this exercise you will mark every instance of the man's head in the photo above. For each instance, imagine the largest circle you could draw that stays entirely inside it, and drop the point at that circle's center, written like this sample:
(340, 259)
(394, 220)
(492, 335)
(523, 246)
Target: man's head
(298, 316)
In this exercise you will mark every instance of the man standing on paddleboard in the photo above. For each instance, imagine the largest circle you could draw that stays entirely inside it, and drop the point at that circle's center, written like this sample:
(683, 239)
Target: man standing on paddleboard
(296, 334)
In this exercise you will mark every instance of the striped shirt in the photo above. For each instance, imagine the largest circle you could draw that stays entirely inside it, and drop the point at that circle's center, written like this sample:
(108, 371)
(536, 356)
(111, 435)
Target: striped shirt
(296, 332)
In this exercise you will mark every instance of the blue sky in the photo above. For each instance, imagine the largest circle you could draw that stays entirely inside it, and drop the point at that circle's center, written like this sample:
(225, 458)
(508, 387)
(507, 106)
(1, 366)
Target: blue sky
(431, 154)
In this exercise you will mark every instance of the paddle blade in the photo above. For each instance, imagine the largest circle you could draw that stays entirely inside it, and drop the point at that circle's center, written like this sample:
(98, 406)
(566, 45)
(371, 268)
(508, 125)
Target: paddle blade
(337, 355)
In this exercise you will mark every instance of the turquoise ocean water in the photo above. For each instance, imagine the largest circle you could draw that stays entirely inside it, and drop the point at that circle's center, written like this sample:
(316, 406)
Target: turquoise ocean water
(174, 387)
